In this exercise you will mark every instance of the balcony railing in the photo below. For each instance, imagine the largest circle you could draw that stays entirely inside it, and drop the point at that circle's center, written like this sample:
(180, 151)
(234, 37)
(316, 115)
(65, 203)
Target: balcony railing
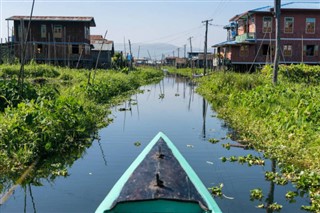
(246, 36)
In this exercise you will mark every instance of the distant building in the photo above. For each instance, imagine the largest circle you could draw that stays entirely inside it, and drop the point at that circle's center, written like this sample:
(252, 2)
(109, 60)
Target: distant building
(102, 51)
(198, 59)
(181, 62)
(170, 60)
(59, 40)
(251, 36)
(140, 61)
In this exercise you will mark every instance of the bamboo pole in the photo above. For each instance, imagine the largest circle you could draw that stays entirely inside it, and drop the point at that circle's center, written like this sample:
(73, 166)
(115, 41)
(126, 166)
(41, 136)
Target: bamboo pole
(277, 8)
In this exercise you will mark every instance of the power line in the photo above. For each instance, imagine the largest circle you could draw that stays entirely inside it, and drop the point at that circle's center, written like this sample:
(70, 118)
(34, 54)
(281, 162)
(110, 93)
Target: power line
(183, 33)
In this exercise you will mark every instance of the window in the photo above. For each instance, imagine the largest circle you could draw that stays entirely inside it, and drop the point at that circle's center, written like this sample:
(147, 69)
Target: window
(310, 25)
(75, 49)
(267, 50)
(57, 31)
(252, 26)
(244, 51)
(310, 50)
(267, 25)
(287, 50)
(288, 24)
(43, 31)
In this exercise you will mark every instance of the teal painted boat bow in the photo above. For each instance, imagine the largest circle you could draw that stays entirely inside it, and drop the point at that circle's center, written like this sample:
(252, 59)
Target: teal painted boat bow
(159, 180)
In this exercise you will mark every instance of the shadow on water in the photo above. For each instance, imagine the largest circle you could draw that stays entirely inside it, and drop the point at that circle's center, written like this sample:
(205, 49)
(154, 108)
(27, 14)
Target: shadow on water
(78, 181)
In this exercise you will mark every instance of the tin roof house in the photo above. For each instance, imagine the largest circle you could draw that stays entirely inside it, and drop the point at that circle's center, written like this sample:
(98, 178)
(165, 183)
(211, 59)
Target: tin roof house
(251, 36)
(60, 40)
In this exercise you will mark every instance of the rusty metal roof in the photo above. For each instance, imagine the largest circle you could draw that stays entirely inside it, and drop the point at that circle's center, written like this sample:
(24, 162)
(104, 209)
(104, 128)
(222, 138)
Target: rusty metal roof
(55, 18)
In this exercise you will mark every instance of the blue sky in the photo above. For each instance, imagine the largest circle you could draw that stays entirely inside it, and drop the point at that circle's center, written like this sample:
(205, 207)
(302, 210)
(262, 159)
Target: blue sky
(143, 21)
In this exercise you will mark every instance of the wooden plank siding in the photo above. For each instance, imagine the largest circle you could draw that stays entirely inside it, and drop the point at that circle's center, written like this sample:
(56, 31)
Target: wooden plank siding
(58, 41)
(253, 45)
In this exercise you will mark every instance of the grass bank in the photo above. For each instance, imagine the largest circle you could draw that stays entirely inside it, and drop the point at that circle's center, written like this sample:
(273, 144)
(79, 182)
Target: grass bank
(57, 111)
(282, 121)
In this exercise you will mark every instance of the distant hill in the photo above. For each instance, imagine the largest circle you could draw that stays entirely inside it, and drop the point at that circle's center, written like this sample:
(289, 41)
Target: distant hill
(156, 50)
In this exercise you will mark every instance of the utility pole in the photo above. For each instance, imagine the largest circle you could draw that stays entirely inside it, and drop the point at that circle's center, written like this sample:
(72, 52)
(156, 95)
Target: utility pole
(191, 53)
(277, 8)
(190, 44)
(185, 50)
(205, 46)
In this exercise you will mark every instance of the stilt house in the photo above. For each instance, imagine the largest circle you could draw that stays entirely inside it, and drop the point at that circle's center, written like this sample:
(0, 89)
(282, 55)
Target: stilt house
(251, 36)
(58, 40)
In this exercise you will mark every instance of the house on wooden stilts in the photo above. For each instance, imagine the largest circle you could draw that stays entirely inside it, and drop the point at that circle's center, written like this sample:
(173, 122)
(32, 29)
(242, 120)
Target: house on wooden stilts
(251, 36)
(58, 40)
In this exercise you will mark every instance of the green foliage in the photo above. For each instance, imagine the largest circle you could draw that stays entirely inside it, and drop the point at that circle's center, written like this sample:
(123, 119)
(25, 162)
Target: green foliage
(56, 115)
(11, 93)
(213, 140)
(31, 70)
(283, 121)
(301, 73)
(249, 159)
(275, 207)
(187, 72)
(118, 61)
(256, 194)
(216, 190)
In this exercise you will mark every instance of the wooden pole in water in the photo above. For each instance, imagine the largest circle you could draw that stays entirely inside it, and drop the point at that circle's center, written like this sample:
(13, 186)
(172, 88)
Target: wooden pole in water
(277, 8)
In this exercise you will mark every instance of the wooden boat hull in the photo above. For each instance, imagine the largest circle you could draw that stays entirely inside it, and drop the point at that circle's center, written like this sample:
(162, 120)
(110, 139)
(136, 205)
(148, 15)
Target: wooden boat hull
(159, 180)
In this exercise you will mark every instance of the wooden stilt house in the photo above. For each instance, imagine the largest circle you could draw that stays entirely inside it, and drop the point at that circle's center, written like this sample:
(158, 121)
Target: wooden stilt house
(251, 36)
(58, 40)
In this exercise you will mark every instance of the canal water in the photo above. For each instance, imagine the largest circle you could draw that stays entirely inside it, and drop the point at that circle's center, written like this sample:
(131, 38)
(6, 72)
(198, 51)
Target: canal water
(173, 107)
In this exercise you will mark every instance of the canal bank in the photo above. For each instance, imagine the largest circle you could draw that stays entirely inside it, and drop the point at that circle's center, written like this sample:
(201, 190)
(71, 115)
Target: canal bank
(173, 107)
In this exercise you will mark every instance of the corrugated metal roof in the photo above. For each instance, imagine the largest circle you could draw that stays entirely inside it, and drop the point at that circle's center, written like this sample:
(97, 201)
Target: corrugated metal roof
(311, 5)
(225, 43)
(105, 47)
(55, 18)
(308, 5)
(302, 5)
(98, 41)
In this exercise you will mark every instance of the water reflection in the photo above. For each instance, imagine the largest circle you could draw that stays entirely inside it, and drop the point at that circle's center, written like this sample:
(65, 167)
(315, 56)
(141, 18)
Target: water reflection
(204, 115)
(270, 198)
(42, 170)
